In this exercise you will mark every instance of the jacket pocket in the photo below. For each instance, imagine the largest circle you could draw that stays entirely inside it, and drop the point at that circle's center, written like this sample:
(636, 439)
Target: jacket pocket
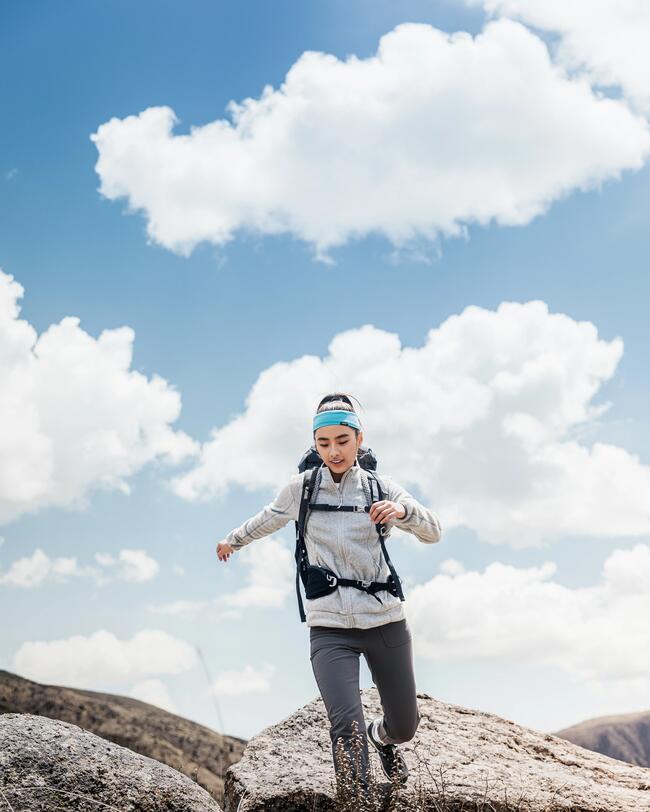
(395, 634)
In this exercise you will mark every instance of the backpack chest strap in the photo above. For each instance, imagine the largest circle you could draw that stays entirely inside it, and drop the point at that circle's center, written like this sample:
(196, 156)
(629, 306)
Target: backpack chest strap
(349, 508)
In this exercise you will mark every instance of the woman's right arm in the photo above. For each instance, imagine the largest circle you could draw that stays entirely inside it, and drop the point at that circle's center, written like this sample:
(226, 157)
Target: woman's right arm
(271, 518)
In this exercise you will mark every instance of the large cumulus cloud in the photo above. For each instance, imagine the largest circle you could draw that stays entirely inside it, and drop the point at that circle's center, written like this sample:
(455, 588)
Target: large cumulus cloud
(520, 615)
(483, 420)
(73, 415)
(607, 40)
(100, 659)
(434, 132)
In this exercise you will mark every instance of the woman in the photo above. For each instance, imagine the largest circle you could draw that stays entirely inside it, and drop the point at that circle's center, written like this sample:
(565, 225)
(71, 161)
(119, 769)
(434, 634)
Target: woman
(349, 622)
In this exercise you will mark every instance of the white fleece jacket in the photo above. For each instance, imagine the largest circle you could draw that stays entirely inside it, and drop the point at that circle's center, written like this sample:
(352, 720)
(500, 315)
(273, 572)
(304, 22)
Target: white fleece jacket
(345, 542)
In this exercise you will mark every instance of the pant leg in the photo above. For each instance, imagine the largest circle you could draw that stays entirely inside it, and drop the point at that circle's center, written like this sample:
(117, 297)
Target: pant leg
(389, 654)
(334, 655)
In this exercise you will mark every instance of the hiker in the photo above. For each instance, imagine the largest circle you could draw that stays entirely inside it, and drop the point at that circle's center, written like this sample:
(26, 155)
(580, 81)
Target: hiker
(356, 604)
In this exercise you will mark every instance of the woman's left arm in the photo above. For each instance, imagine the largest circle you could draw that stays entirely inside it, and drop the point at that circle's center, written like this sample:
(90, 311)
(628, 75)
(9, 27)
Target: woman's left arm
(418, 519)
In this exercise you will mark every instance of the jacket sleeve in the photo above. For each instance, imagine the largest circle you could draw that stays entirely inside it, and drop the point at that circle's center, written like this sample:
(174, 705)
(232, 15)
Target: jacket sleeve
(272, 517)
(419, 520)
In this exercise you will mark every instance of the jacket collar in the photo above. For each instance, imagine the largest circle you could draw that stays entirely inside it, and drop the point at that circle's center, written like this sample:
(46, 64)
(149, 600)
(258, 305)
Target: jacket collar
(327, 479)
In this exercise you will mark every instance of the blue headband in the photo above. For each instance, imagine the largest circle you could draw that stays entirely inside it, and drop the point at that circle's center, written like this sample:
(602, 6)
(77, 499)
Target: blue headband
(335, 417)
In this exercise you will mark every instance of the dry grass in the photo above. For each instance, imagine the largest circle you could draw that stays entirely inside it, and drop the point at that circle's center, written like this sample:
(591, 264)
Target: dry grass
(428, 790)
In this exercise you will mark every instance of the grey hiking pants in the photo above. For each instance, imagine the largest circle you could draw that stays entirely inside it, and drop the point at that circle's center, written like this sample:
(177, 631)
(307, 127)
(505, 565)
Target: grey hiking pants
(388, 651)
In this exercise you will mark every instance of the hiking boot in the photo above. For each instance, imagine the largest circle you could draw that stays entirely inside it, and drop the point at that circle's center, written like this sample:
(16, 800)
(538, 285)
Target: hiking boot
(392, 761)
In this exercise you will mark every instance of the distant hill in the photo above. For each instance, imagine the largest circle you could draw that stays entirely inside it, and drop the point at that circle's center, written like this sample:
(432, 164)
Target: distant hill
(200, 753)
(625, 736)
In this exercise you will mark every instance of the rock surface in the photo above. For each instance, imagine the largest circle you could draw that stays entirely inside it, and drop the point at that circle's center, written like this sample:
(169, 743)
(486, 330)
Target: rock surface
(625, 736)
(459, 758)
(202, 754)
(46, 764)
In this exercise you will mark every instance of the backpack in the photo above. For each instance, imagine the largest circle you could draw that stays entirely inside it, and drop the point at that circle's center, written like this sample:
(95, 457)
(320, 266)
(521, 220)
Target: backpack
(320, 581)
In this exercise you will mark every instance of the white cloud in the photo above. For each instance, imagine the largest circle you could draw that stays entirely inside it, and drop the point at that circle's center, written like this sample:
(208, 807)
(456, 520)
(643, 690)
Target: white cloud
(608, 39)
(247, 681)
(490, 437)
(155, 692)
(34, 570)
(181, 607)
(270, 578)
(136, 565)
(130, 565)
(31, 571)
(450, 566)
(509, 614)
(102, 659)
(435, 132)
(73, 415)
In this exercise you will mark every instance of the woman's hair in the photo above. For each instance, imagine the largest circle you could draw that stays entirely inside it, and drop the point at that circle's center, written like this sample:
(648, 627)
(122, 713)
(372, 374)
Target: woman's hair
(338, 400)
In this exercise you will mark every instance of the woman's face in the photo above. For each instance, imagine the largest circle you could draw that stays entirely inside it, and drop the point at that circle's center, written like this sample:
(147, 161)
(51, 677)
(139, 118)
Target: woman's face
(337, 447)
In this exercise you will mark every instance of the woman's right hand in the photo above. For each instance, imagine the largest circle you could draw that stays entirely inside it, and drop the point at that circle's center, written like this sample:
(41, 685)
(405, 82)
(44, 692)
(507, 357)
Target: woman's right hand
(224, 551)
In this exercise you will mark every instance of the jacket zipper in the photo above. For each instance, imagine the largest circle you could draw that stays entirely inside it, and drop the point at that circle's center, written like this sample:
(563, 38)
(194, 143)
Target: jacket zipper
(347, 608)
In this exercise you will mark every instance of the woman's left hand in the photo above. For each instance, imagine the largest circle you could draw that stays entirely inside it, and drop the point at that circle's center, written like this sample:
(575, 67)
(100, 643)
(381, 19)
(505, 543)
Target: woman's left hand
(385, 510)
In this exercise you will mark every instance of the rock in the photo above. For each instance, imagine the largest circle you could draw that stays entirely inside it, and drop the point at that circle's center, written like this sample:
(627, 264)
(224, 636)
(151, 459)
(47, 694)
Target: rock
(202, 754)
(46, 764)
(460, 758)
(625, 736)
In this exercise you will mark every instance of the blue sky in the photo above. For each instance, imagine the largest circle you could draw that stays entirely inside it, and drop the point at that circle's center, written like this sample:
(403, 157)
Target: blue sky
(209, 322)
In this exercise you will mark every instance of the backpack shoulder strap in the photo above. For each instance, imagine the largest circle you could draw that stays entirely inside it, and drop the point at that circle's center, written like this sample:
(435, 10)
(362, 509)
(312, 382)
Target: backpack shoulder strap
(308, 483)
(302, 560)
(377, 486)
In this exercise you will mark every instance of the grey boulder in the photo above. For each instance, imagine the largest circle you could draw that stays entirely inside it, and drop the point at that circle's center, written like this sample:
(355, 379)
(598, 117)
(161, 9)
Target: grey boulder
(46, 765)
(460, 758)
